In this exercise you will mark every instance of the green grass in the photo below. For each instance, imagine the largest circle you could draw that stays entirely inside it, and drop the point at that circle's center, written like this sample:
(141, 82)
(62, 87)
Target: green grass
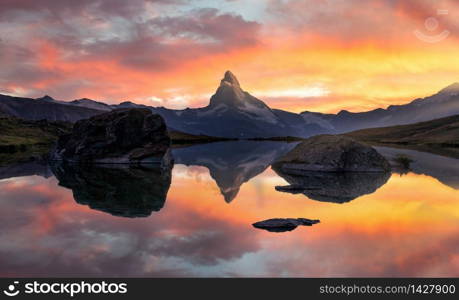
(442, 132)
(440, 136)
(20, 139)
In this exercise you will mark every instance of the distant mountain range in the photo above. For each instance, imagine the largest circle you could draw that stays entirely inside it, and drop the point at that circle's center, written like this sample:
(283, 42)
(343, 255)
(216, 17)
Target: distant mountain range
(440, 136)
(234, 113)
(45, 108)
(443, 104)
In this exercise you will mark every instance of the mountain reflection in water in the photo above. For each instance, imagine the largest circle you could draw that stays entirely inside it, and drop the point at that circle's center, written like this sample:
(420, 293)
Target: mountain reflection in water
(232, 163)
(407, 226)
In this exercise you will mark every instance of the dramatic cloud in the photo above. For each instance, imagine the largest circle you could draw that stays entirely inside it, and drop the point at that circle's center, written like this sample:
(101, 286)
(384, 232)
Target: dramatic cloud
(67, 48)
(362, 54)
(354, 20)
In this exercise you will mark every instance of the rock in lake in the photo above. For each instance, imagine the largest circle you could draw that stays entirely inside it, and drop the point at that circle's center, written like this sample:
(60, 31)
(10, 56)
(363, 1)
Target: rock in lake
(121, 136)
(283, 225)
(332, 153)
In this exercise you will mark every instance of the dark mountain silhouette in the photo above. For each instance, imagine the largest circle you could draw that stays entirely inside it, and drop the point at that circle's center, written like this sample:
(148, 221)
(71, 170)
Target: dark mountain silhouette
(443, 104)
(91, 104)
(231, 113)
(438, 136)
(45, 108)
(234, 113)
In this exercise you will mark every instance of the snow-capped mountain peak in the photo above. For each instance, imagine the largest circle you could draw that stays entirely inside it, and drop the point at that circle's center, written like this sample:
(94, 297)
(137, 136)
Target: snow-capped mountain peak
(88, 103)
(230, 96)
(230, 79)
(229, 92)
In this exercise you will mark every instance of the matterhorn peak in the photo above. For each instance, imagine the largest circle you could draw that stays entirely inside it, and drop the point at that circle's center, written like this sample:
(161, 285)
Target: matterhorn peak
(230, 79)
(230, 94)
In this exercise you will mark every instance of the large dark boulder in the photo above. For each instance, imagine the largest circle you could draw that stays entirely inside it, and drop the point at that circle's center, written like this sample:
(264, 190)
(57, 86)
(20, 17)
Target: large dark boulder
(119, 189)
(121, 136)
(331, 153)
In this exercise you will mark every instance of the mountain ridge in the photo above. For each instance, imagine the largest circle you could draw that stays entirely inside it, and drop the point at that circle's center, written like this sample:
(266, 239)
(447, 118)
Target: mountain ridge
(44, 109)
(235, 113)
(439, 136)
(439, 105)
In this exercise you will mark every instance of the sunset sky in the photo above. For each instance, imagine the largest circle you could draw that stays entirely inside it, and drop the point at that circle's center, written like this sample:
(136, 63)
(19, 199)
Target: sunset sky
(319, 55)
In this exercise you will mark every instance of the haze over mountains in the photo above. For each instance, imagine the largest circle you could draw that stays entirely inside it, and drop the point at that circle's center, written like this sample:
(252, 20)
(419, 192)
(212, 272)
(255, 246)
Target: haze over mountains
(234, 113)
(443, 104)
(44, 108)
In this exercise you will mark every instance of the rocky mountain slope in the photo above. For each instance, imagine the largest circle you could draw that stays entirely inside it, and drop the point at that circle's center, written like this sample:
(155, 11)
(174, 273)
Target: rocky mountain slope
(438, 136)
(45, 108)
(231, 113)
(442, 104)
(234, 113)
(444, 131)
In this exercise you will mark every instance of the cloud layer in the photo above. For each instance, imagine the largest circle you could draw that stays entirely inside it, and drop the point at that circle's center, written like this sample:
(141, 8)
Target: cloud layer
(173, 53)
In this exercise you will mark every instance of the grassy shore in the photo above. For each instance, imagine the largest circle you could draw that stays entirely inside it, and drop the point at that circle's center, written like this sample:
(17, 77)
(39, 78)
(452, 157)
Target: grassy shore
(440, 136)
(21, 140)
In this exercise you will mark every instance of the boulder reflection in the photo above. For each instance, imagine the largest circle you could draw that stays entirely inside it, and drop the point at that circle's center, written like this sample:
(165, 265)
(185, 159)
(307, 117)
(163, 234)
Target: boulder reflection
(333, 187)
(120, 190)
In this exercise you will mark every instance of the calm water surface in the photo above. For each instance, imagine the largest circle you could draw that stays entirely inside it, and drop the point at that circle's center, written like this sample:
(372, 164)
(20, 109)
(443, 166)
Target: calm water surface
(85, 223)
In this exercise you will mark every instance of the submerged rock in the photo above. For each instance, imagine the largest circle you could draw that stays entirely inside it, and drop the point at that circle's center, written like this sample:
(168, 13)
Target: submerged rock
(331, 153)
(283, 225)
(120, 136)
(120, 190)
(337, 187)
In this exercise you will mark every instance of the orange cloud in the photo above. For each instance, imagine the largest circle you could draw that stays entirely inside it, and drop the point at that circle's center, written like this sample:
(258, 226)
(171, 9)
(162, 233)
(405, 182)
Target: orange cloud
(362, 55)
